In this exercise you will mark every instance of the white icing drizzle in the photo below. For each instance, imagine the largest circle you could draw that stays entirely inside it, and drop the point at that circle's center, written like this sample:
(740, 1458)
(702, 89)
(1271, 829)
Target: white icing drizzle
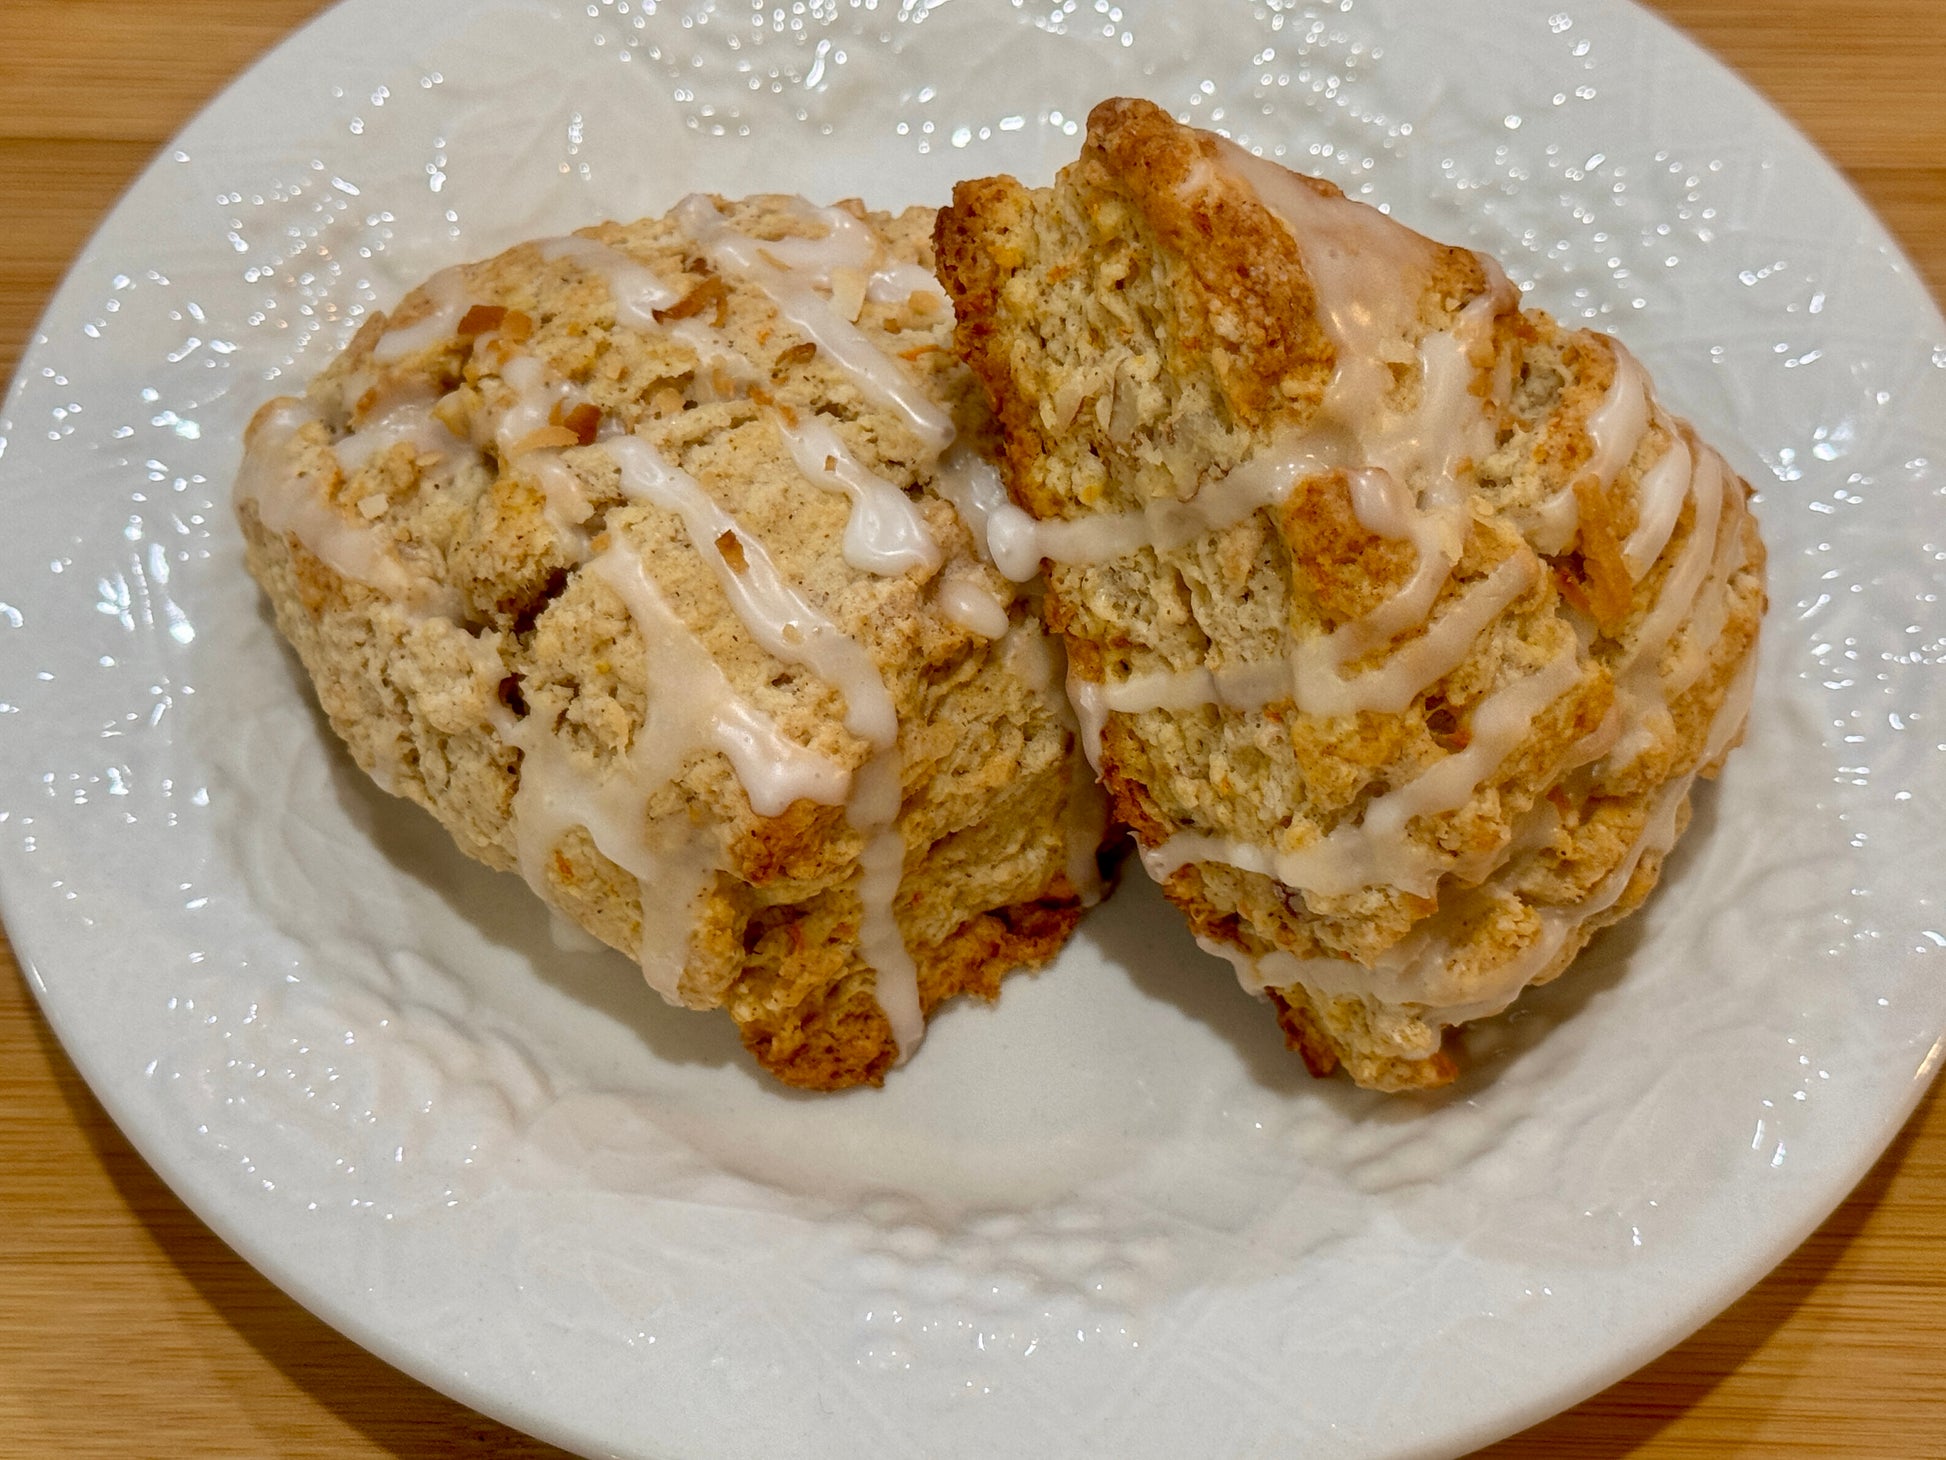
(1376, 850)
(896, 283)
(972, 484)
(564, 501)
(776, 614)
(1450, 428)
(568, 936)
(1732, 714)
(1019, 543)
(693, 705)
(554, 795)
(1615, 431)
(1639, 686)
(1389, 687)
(447, 290)
(1658, 504)
(691, 708)
(1091, 714)
(1317, 664)
(1355, 258)
(970, 604)
(1040, 662)
(1551, 525)
(537, 396)
(294, 505)
(1311, 678)
(684, 870)
(785, 623)
(1381, 503)
(673, 863)
(1237, 686)
(406, 422)
(846, 244)
(1712, 604)
(637, 290)
(874, 811)
(786, 270)
(885, 533)
(1416, 973)
(1620, 422)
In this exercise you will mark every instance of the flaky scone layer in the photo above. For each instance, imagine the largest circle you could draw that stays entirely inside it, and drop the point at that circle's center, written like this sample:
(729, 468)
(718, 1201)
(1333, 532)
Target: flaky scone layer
(1400, 619)
(628, 556)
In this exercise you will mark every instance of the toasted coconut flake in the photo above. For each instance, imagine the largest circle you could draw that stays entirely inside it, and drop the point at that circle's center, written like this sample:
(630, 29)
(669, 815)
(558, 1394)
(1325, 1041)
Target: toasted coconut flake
(543, 439)
(1610, 589)
(789, 359)
(585, 421)
(848, 288)
(711, 292)
(481, 318)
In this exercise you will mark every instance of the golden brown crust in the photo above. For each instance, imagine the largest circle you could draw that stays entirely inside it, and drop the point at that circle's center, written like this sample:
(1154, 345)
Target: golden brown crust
(1096, 315)
(506, 656)
(841, 1037)
(1350, 569)
(976, 269)
(1244, 299)
(1218, 337)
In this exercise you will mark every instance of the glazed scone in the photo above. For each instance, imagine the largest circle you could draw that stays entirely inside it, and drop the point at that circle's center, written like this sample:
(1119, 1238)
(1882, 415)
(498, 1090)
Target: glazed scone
(1400, 620)
(625, 555)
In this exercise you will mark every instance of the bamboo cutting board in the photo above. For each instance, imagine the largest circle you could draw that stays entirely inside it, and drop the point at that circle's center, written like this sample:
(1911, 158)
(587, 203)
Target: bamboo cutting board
(126, 1328)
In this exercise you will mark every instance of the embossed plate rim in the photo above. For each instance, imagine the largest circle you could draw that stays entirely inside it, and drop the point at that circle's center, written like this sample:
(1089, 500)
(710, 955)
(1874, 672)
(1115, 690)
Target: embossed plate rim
(48, 945)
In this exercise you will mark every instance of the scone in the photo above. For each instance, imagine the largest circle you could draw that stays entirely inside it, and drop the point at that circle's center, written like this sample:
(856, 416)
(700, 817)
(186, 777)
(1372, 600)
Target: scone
(626, 555)
(1401, 620)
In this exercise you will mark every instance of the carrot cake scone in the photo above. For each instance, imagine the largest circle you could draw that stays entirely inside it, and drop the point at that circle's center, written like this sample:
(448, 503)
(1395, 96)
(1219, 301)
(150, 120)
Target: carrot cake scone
(1400, 620)
(630, 556)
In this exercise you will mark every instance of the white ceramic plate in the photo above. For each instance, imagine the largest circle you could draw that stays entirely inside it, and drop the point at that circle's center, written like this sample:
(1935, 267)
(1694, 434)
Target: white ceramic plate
(1110, 1217)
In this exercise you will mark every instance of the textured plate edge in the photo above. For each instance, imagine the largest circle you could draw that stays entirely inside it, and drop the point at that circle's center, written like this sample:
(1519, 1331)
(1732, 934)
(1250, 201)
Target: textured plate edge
(1713, 1299)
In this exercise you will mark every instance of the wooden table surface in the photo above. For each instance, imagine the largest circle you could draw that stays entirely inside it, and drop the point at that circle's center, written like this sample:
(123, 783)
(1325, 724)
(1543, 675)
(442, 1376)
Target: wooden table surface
(126, 1328)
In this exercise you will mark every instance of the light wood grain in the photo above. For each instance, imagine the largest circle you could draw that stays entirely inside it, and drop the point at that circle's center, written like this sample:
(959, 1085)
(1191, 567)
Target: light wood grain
(126, 1328)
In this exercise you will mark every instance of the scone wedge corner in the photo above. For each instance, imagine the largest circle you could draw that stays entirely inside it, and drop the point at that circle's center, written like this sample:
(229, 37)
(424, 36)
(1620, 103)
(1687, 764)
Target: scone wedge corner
(633, 557)
(1401, 620)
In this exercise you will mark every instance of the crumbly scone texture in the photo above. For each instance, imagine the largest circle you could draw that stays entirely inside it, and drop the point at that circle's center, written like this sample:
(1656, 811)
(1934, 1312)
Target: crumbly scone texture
(1147, 325)
(438, 581)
